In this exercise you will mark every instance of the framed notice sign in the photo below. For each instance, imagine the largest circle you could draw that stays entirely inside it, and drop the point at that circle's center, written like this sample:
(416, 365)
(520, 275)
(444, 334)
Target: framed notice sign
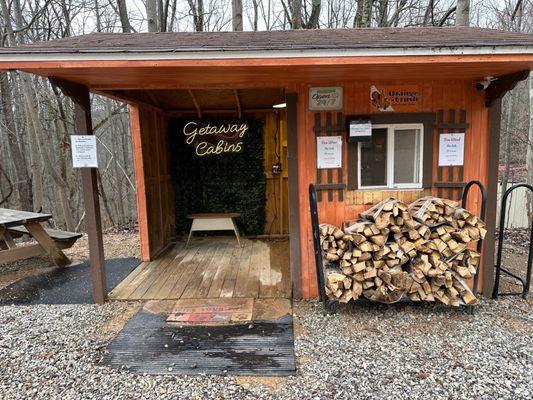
(84, 151)
(451, 149)
(359, 129)
(325, 98)
(329, 152)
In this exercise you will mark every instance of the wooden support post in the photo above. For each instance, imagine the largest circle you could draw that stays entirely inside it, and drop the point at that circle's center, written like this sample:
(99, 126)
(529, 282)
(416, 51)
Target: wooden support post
(83, 126)
(493, 100)
(495, 111)
(294, 200)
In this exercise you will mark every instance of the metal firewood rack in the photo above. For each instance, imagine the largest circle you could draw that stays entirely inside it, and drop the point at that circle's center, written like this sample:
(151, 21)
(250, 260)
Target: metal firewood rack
(329, 304)
(499, 269)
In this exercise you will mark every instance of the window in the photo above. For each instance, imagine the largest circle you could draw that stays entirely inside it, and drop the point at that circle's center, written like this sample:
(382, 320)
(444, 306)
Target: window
(393, 158)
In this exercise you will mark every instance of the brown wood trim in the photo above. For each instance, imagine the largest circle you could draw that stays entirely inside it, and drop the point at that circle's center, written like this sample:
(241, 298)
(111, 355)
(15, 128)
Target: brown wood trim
(449, 184)
(330, 132)
(83, 126)
(318, 130)
(294, 200)
(351, 166)
(452, 125)
(427, 119)
(502, 85)
(492, 196)
(340, 126)
(330, 186)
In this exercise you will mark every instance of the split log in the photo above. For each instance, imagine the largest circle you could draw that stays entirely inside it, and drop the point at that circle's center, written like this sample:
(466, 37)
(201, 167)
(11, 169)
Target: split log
(391, 214)
(388, 254)
(432, 211)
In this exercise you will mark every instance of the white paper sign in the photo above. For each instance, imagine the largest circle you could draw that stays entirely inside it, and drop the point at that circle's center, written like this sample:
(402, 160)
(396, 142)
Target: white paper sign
(451, 149)
(360, 129)
(325, 98)
(84, 151)
(329, 152)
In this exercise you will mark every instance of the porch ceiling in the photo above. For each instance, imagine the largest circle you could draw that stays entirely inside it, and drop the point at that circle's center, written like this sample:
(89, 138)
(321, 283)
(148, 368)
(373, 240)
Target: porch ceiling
(190, 100)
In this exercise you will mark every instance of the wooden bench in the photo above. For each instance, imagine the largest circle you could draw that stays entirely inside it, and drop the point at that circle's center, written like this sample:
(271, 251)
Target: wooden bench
(213, 222)
(63, 239)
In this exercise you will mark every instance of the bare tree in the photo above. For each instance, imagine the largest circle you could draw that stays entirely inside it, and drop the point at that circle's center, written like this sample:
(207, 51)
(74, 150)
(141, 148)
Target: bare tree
(312, 22)
(197, 11)
(296, 14)
(236, 15)
(151, 15)
(363, 17)
(123, 14)
(462, 13)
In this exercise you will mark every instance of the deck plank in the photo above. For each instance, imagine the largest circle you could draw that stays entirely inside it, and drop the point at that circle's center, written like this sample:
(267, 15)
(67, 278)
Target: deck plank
(158, 268)
(119, 291)
(230, 280)
(180, 269)
(226, 265)
(214, 267)
(156, 286)
(193, 270)
(244, 269)
(259, 253)
(204, 271)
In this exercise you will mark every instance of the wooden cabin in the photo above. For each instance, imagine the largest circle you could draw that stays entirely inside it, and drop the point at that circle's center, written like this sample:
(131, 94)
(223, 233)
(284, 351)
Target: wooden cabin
(414, 87)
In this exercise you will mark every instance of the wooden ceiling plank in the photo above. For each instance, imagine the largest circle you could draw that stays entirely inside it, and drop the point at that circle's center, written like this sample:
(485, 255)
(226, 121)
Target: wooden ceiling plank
(239, 108)
(196, 104)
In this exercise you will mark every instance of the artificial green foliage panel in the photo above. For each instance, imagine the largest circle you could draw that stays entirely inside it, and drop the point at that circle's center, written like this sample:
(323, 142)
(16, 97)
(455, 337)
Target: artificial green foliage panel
(217, 183)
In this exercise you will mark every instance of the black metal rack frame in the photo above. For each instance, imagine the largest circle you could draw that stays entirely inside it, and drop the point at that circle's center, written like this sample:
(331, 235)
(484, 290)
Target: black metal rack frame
(328, 303)
(525, 283)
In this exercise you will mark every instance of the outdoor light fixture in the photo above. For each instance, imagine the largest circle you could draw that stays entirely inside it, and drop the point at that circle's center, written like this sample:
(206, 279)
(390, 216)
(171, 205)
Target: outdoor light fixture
(280, 105)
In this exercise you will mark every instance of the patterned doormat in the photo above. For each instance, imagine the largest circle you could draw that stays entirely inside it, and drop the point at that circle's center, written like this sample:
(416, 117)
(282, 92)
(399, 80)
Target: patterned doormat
(212, 311)
(149, 344)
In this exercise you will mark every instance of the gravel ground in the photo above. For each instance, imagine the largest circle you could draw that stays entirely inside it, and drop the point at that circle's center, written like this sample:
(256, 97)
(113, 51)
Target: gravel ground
(365, 352)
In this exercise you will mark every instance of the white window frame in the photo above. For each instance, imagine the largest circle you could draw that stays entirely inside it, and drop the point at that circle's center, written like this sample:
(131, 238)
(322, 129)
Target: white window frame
(390, 158)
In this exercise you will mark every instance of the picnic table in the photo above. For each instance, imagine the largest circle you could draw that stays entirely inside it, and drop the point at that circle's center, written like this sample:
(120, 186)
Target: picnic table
(14, 223)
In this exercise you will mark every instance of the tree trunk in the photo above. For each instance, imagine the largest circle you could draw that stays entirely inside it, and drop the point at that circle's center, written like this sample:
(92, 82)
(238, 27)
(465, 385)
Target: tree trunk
(151, 15)
(315, 15)
(296, 14)
(123, 14)
(23, 184)
(462, 13)
(256, 14)
(197, 11)
(363, 16)
(507, 142)
(236, 15)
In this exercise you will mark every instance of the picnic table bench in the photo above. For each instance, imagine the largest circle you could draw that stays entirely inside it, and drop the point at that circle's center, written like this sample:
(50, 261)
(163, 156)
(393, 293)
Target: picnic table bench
(14, 223)
(214, 222)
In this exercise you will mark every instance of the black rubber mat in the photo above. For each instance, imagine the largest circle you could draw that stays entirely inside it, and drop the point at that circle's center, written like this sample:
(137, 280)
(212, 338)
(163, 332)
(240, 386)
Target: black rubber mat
(148, 344)
(72, 285)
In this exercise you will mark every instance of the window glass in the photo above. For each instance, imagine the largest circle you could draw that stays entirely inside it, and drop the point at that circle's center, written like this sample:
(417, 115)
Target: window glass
(406, 156)
(374, 159)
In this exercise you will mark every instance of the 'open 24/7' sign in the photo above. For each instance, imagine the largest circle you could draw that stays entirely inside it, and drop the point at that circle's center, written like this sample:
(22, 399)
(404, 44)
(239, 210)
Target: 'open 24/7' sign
(325, 98)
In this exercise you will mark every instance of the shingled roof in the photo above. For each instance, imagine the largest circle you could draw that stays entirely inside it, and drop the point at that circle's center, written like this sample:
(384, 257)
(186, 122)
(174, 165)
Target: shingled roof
(320, 39)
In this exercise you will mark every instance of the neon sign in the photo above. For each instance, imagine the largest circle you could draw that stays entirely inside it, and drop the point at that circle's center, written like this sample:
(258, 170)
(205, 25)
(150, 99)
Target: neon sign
(215, 139)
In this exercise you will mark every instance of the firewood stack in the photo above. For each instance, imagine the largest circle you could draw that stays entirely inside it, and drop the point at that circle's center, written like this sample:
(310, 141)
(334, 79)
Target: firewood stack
(393, 250)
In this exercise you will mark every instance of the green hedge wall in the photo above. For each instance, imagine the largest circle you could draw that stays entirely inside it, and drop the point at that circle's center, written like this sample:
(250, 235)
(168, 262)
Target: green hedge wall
(228, 182)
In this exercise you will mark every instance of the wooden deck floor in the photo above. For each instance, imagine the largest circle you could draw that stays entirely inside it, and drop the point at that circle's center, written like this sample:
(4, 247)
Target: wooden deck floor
(210, 268)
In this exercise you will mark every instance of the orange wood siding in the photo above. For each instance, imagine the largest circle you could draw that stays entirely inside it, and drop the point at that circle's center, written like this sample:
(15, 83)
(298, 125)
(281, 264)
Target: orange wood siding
(434, 96)
(154, 191)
